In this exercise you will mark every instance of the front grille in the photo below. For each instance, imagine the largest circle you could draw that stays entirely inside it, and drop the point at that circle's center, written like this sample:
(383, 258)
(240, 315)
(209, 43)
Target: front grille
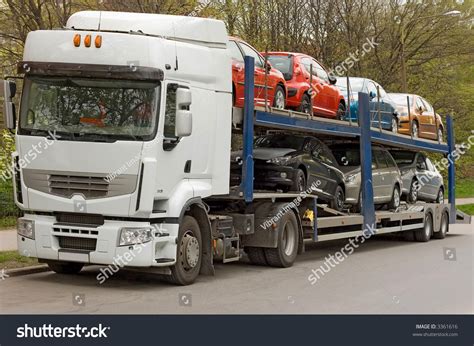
(68, 185)
(81, 219)
(75, 243)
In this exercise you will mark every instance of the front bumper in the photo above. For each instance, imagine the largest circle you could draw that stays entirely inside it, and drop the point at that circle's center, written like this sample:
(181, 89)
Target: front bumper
(98, 245)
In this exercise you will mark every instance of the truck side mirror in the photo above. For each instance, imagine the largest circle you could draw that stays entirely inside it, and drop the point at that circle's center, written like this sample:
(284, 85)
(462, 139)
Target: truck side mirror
(8, 91)
(184, 119)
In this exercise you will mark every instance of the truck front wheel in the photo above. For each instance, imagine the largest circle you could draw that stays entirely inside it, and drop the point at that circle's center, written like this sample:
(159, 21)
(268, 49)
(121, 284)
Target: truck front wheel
(189, 256)
(65, 267)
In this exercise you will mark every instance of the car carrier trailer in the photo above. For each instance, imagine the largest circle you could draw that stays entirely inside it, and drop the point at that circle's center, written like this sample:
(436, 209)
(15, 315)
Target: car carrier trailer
(172, 210)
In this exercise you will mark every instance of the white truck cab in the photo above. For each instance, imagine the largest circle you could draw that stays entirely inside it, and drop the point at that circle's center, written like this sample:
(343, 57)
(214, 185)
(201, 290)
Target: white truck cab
(130, 115)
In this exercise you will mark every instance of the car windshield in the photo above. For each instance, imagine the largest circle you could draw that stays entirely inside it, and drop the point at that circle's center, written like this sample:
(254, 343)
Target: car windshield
(89, 108)
(401, 99)
(403, 157)
(280, 141)
(282, 63)
(356, 84)
(347, 157)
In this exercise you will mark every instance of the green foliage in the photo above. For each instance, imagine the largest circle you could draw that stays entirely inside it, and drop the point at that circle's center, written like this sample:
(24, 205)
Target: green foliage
(12, 259)
(467, 208)
(7, 204)
(465, 188)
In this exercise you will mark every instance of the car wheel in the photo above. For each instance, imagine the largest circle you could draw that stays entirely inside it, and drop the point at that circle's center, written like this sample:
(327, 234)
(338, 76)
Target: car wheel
(341, 111)
(394, 125)
(440, 196)
(339, 199)
(443, 227)
(284, 254)
(424, 234)
(299, 181)
(189, 257)
(66, 268)
(395, 202)
(279, 98)
(413, 193)
(440, 134)
(305, 105)
(414, 129)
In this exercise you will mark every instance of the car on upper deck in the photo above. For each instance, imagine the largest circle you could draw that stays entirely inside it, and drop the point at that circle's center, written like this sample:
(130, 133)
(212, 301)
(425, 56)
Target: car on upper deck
(310, 87)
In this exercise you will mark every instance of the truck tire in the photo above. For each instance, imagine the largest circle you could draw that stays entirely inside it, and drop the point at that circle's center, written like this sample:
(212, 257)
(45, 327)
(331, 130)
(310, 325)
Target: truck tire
(189, 253)
(256, 255)
(443, 227)
(284, 254)
(424, 234)
(66, 268)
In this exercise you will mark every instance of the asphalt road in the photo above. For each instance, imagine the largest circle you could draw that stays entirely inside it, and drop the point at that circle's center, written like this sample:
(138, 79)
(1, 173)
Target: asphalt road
(384, 275)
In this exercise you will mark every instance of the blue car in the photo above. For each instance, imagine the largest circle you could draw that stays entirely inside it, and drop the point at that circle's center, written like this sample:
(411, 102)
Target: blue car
(382, 104)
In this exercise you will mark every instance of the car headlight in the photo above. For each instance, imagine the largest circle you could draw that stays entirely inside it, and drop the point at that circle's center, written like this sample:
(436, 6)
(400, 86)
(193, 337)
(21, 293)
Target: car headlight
(26, 228)
(281, 161)
(350, 178)
(135, 235)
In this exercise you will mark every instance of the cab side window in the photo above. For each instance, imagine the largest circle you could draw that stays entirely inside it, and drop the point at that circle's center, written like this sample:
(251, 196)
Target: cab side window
(170, 111)
(248, 51)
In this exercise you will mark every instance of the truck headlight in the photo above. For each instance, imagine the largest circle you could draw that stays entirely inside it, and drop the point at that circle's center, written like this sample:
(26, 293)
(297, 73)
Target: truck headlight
(134, 235)
(26, 228)
(350, 178)
(281, 161)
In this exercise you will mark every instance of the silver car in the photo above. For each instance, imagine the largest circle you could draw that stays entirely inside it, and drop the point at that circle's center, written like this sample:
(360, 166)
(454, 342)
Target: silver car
(421, 179)
(386, 177)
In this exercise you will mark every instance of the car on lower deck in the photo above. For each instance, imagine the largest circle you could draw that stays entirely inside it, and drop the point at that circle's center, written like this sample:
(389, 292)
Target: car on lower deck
(275, 82)
(417, 117)
(386, 177)
(294, 163)
(305, 90)
(383, 111)
(421, 179)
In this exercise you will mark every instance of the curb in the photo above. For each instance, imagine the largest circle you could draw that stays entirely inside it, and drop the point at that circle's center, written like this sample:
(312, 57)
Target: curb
(27, 270)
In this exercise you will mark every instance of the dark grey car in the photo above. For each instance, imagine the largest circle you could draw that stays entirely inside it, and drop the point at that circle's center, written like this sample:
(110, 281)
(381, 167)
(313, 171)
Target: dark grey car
(294, 163)
(421, 179)
(386, 178)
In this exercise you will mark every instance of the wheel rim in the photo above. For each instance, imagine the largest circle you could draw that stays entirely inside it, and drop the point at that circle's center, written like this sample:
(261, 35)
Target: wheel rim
(396, 198)
(414, 192)
(428, 226)
(306, 106)
(279, 100)
(394, 125)
(444, 224)
(301, 184)
(189, 251)
(440, 196)
(288, 239)
(415, 130)
(340, 200)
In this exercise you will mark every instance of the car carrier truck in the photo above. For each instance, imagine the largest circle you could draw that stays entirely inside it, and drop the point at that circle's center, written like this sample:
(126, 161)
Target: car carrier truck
(123, 143)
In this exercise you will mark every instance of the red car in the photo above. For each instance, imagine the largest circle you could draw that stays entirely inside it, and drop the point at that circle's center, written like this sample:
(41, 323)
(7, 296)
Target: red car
(326, 99)
(276, 86)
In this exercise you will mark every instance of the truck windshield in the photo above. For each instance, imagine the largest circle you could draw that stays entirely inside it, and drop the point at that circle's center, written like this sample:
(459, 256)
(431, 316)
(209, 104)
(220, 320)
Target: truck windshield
(92, 109)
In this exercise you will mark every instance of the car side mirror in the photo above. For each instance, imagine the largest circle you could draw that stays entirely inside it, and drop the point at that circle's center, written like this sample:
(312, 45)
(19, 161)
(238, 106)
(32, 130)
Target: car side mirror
(372, 95)
(268, 66)
(8, 91)
(184, 119)
(420, 109)
(332, 79)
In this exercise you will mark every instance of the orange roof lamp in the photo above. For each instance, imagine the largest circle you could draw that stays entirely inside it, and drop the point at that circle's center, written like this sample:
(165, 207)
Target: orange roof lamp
(77, 40)
(87, 41)
(99, 122)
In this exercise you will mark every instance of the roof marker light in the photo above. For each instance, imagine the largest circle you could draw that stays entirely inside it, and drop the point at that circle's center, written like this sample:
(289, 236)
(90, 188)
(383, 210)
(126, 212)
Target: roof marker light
(77, 40)
(98, 41)
(87, 41)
